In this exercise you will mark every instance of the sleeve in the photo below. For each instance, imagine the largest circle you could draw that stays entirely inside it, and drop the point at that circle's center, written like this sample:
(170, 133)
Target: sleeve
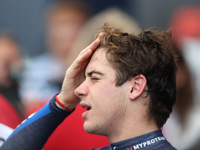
(102, 148)
(32, 133)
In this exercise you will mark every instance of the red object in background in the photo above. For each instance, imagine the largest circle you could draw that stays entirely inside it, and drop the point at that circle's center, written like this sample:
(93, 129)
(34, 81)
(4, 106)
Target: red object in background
(70, 135)
(8, 114)
(185, 22)
(33, 107)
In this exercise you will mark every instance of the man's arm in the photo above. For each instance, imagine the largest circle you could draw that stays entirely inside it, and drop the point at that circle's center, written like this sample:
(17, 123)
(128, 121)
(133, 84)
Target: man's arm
(35, 130)
(75, 75)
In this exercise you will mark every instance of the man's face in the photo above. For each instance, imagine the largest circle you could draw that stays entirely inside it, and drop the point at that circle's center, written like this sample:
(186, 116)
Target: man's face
(105, 103)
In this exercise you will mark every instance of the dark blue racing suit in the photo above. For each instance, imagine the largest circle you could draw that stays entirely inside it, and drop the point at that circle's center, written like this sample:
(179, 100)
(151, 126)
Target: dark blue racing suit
(32, 133)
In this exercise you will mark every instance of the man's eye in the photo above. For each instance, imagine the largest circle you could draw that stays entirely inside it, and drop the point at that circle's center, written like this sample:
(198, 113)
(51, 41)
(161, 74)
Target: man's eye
(94, 78)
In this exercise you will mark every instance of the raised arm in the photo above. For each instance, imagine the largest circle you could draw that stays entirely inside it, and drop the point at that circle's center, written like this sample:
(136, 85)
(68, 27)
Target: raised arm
(75, 75)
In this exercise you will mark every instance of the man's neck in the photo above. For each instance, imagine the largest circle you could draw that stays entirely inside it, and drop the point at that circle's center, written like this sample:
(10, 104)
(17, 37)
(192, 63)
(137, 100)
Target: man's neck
(132, 129)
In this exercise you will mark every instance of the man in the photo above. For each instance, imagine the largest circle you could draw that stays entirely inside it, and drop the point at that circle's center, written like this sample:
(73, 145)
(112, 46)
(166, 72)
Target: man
(125, 82)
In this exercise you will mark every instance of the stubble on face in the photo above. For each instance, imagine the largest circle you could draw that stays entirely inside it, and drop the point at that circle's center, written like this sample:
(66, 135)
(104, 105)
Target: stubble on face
(108, 107)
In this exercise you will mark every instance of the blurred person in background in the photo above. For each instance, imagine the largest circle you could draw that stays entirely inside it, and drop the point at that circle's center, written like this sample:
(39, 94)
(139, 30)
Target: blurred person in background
(43, 74)
(11, 107)
(183, 127)
(185, 24)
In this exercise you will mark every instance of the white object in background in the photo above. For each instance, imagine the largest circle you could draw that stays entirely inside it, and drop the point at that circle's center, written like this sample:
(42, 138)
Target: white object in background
(191, 53)
(5, 131)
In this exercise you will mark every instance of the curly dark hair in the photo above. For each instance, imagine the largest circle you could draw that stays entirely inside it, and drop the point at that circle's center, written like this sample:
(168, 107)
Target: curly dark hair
(150, 53)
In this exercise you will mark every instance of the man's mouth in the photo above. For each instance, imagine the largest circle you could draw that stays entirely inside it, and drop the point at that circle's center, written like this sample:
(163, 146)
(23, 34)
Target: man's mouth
(85, 106)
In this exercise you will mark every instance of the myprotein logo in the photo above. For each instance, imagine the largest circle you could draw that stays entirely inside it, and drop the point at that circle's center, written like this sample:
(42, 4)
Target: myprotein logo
(147, 143)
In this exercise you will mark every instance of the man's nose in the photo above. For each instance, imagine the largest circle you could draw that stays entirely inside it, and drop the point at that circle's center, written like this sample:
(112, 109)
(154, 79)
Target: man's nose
(81, 90)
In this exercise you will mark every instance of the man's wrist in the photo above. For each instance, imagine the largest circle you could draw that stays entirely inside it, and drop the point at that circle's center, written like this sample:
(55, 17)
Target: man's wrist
(60, 104)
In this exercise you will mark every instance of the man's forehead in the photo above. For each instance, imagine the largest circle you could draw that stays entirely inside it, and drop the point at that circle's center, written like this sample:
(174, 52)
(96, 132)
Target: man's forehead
(98, 54)
(98, 60)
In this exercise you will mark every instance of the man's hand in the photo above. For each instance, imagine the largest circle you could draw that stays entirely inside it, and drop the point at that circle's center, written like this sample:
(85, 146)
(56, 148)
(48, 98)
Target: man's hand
(75, 75)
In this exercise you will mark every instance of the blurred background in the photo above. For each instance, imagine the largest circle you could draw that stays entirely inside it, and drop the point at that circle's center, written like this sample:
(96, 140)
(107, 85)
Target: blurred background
(40, 38)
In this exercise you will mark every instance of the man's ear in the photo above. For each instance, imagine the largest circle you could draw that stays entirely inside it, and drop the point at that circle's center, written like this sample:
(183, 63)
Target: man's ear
(138, 83)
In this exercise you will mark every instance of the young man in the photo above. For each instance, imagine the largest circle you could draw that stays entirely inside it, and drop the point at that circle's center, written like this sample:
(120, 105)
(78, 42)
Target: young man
(126, 83)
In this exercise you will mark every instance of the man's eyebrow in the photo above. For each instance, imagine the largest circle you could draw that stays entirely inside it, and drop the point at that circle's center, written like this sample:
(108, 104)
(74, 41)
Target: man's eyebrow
(94, 72)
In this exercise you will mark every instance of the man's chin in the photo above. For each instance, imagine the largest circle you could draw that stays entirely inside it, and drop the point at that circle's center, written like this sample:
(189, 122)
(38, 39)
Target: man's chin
(92, 130)
(88, 129)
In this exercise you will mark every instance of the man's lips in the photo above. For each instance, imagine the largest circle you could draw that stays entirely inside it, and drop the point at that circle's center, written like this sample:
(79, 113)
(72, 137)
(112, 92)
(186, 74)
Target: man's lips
(87, 107)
